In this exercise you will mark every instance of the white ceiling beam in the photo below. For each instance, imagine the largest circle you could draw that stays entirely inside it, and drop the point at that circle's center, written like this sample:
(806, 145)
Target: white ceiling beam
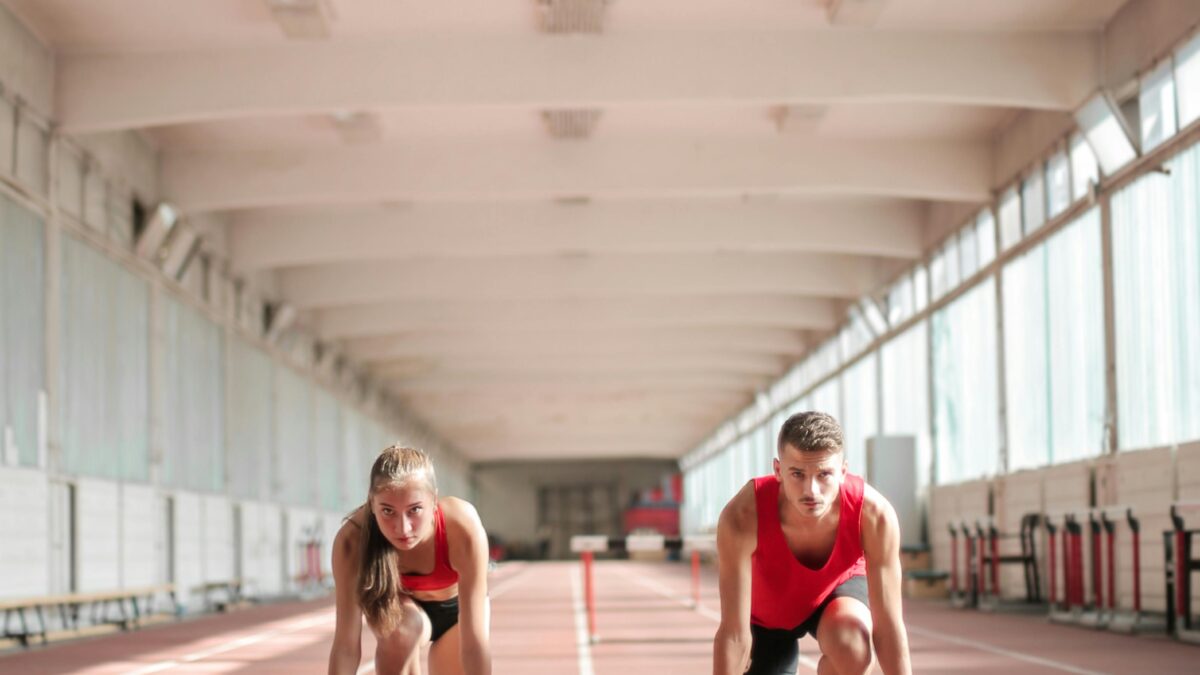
(222, 179)
(642, 382)
(266, 238)
(575, 365)
(1053, 71)
(572, 451)
(796, 274)
(542, 314)
(438, 345)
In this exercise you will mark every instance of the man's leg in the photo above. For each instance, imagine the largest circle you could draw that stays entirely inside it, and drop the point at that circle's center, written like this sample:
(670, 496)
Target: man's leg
(773, 652)
(844, 635)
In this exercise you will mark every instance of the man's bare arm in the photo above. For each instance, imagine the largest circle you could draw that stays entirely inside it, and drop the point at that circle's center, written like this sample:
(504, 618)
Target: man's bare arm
(737, 534)
(881, 546)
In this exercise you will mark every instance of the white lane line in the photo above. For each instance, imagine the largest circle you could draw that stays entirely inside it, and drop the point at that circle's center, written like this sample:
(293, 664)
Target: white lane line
(368, 667)
(953, 639)
(700, 609)
(230, 646)
(582, 639)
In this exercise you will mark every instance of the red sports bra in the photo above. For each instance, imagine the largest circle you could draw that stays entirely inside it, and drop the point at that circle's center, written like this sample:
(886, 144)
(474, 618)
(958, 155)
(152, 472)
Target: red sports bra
(443, 575)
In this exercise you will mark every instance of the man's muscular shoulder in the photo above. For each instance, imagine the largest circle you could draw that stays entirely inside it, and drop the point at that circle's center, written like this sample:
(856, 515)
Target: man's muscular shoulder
(739, 518)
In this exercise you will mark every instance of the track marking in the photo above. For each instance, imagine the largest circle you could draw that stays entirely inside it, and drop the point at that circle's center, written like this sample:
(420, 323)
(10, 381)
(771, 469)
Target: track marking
(983, 646)
(582, 639)
(701, 609)
(230, 646)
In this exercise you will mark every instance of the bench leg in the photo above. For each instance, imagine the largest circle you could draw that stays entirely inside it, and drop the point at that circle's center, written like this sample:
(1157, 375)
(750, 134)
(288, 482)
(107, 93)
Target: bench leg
(42, 620)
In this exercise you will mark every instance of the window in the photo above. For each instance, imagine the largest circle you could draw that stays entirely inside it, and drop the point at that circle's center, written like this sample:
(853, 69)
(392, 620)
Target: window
(1085, 172)
(966, 406)
(1156, 280)
(1187, 81)
(1156, 102)
(969, 251)
(860, 415)
(1058, 184)
(1033, 201)
(1010, 219)
(22, 332)
(1054, 348)
(1104, 132)
(985, 237)
(905, 387)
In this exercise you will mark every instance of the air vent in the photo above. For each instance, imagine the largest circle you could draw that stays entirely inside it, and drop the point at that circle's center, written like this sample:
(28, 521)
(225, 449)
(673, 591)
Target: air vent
(571, 124)
(571, 16)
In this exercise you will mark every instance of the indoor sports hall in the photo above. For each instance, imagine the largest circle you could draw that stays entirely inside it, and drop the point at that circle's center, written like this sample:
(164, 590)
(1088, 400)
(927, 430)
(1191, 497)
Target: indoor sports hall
(599, 337)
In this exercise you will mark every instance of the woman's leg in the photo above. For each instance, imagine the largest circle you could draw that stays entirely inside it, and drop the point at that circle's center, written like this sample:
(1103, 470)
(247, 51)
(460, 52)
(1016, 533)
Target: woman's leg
(445, 656)
(400, 652)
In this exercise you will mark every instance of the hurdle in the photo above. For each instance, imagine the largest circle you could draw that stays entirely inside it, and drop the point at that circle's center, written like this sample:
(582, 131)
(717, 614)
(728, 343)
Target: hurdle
(1180, 565)
(1135, 620)
(588, 545)
(990, 597)
(1071, 608)
(964, 591)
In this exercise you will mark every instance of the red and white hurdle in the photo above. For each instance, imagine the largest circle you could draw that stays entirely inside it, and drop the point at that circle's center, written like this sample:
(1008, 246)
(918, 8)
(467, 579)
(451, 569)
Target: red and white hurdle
(588, 545)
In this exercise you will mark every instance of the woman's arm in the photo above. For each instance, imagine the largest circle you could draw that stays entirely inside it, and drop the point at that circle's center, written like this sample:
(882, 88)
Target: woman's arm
(469, 556)
(346, 651)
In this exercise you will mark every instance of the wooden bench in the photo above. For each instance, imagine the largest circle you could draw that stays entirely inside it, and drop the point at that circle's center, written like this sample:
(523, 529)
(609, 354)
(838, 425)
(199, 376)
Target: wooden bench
(231, 590)
(128, 602)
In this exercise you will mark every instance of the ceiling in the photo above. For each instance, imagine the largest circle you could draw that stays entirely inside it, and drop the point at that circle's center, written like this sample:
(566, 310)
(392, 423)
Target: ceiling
(571, 228)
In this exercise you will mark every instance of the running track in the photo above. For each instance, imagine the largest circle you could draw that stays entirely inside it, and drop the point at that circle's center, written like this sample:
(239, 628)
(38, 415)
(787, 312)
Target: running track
(645, 627)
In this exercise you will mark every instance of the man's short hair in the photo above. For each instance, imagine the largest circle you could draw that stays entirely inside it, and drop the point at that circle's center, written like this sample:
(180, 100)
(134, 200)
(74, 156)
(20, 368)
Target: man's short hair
(811, 431)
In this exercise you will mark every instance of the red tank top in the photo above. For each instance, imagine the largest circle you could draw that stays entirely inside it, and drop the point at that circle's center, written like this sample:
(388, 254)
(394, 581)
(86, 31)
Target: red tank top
(783, 591)
(443, 575)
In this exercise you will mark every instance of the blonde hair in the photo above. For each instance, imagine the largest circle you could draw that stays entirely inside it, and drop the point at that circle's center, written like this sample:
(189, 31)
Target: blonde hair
(379, 583)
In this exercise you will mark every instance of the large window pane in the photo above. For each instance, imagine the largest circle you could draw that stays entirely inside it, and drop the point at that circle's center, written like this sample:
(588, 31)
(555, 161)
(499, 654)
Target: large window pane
(1058, 185)
(22, 329)
(1054, 348)
(294, 457)
(906, 391)
(191, 372)
(965, 389)
(1010, 219)
(1156, 103)
(251, 431)
(1156, 260)
(860, 416)
(1187, 81)
(104, 366)
(1033, 202)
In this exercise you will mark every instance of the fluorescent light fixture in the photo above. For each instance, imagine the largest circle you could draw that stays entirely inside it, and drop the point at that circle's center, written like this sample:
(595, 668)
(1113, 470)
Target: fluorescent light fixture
(855, 13)
(154, 233)
(1102, 126)
(356, 127)
(302, 19)
(279, 317)
(180, 249)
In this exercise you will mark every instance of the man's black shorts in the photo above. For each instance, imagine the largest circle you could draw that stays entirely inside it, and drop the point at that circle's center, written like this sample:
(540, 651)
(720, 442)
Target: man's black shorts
(775, 651)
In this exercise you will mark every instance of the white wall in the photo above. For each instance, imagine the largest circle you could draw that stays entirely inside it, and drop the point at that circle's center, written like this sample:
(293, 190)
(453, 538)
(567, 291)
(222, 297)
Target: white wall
(97, 532)
(24, 529)
(142, 551)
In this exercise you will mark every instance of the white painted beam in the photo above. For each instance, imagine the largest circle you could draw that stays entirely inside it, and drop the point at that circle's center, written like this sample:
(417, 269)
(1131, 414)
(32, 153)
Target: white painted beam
(583, 277)
(539, 364)
(389, 318)
(437, 346)
(266, 238)
(539, 170)
(642, 382)
(1046, 71)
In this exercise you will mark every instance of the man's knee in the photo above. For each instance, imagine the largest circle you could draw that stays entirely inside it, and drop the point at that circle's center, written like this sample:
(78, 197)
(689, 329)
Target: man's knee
(846, 643)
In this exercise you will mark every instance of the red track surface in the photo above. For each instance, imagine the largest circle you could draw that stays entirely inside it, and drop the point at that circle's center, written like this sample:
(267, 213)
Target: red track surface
(643, 621)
